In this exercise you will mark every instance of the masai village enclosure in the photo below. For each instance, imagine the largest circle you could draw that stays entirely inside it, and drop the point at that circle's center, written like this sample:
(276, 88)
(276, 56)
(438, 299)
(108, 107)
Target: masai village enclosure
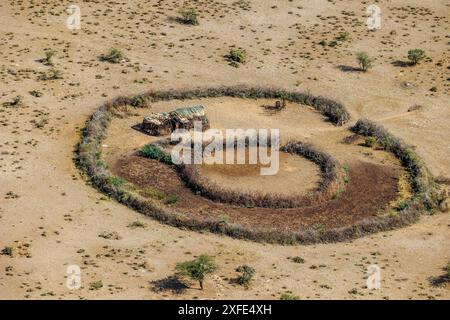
(93, 205)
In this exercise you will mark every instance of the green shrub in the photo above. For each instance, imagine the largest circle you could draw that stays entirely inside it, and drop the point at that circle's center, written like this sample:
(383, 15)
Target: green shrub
(95, 285)
(48, 58)
(246, 275)
(197, 269)
(117, 182)
(365, 62)
(153, 193)
(289, 296)
(416, 55)
(42, 122)
(298, 259)
(171, 200)
(138, 101)
(236, 56)
(369, 142)
(113, 56)
(153, 152)
(36, 93)
(189, 16)
(7, 251)
(343, 36)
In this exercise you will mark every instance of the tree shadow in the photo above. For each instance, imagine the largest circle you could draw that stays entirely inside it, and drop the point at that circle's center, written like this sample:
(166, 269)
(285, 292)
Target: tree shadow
(400, 63)
(439, 281)
(345, 68)
(171, 283)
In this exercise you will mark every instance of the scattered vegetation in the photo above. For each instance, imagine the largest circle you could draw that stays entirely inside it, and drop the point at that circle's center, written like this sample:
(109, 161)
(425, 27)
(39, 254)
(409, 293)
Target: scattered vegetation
(416, 55)
(153, 152)
(113, 56)
(343, 36)
(171, 200)
(52, 74)
(246, 275)
(110, 235)
(47, 61)
(136, 224)
(298, 259)
(189, 16)
(96, 285)
(365, 62)
(236, 56)
(197, 269)
(7, 251)
(42, 122)
(36, 93)
(369, 142)
(289, 296)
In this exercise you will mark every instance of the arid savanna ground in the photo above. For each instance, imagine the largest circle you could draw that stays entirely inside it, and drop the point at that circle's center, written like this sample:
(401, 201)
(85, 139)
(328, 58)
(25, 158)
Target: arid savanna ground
(51, 218)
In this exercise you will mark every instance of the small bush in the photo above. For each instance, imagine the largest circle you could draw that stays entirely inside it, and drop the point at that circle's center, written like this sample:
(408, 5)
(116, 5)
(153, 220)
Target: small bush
(298, 260)
(153, 193)
(189, 16)
(136, 224)
(343, 36)
(117, 182)
(42, 122)
(36, 93)
(369, 142)
(365, 62)
(416, 55)
(113, 56)
(7, 251)
(153, 152)
(289, 296)
(96, 285)
(52, 74)
(138, 102)
(246, 275)
(197, 269)
(236, 55)
(47, 61)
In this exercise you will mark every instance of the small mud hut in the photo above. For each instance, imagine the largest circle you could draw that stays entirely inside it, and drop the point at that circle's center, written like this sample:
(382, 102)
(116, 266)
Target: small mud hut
(160, 124)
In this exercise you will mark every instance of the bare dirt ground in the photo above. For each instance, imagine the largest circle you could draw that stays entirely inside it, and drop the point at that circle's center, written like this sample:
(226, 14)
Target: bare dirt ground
(52, 218)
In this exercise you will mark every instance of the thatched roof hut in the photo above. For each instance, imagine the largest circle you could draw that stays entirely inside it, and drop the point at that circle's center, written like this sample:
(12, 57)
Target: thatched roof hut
(164, 123)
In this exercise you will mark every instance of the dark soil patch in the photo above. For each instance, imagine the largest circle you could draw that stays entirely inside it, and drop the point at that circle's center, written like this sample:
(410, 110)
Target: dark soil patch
(369, 192)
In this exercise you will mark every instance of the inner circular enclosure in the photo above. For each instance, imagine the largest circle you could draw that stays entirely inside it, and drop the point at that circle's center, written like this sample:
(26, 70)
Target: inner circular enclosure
(301, 174)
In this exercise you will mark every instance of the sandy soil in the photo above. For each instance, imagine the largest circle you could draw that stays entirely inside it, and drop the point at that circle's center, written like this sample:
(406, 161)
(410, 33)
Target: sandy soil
(53, 219)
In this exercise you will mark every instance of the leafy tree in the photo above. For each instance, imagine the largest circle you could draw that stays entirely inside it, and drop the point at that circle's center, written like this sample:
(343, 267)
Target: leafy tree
(416, 55)
(365, 62)
(197, 269)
